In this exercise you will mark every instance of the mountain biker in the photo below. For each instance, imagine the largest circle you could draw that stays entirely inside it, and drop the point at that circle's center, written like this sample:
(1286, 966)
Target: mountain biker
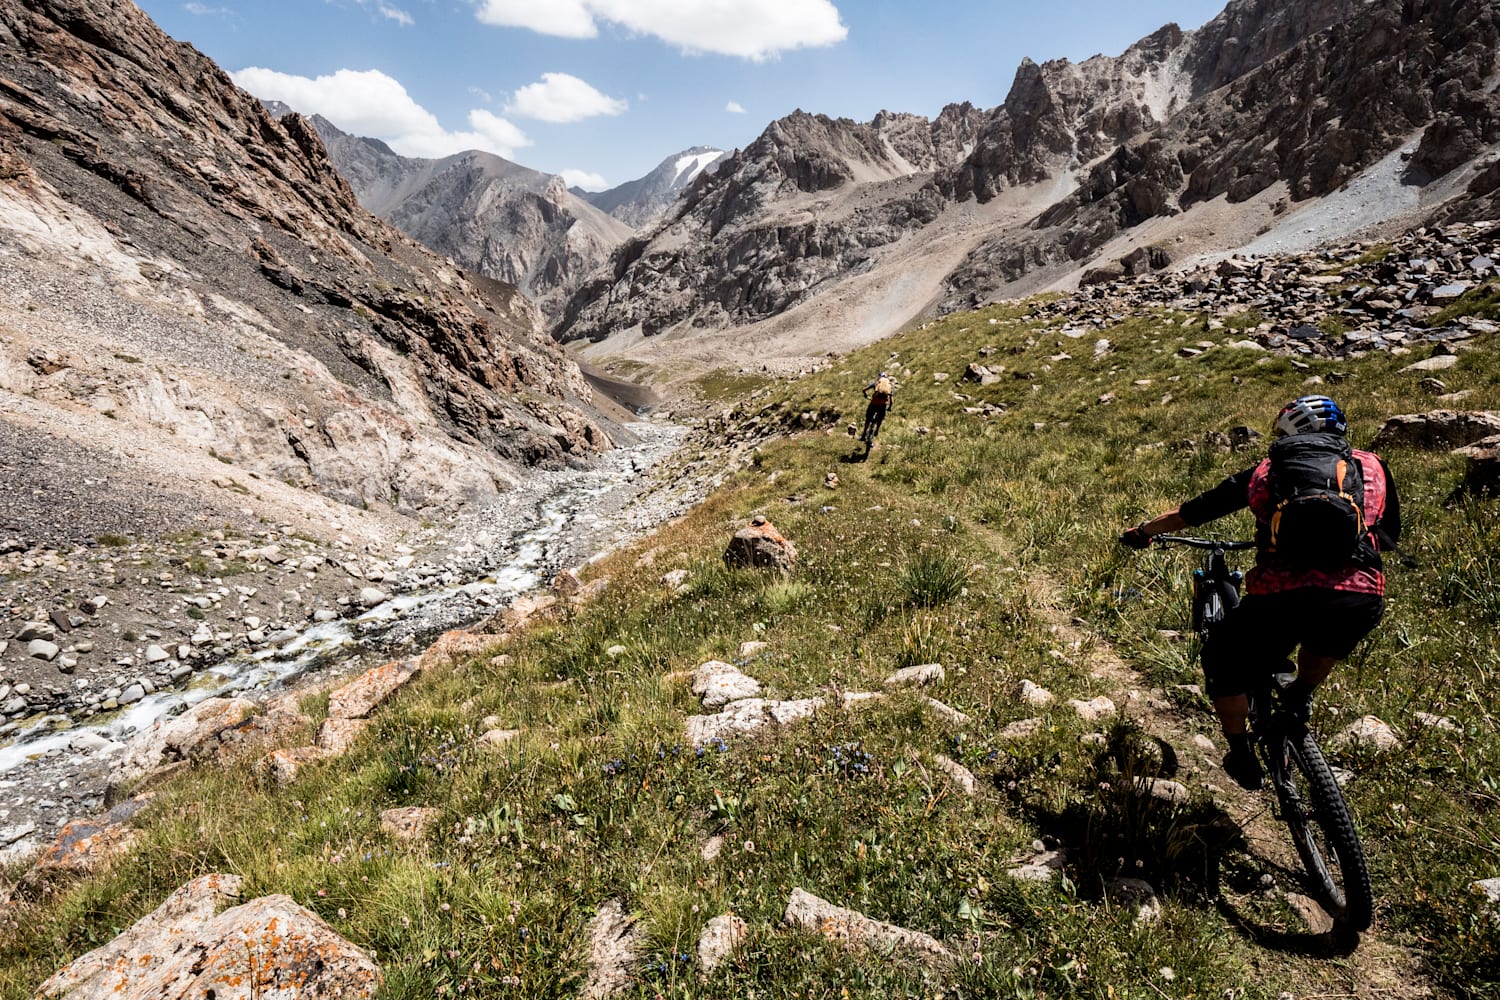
(880, 394)
(1324, 605)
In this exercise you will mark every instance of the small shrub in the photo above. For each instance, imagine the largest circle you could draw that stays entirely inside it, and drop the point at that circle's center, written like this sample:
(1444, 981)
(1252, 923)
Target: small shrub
(112, 541)
(933, 577)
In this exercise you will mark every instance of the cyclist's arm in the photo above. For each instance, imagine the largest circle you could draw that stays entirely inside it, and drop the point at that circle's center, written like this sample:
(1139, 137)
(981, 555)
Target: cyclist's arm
(1233, 494)
(1229, 496)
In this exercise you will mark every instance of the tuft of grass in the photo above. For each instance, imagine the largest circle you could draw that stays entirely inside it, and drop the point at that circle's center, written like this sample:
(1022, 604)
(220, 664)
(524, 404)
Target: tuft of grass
(933, 577)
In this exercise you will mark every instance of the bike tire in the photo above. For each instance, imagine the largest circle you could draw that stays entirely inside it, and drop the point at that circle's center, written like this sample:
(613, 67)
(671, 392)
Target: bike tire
(1324, 834)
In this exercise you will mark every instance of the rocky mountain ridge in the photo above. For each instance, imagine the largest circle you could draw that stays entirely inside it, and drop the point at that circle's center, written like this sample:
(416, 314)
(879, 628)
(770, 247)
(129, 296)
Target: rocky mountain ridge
(491, 216)
(1189, 142)
(186, 270)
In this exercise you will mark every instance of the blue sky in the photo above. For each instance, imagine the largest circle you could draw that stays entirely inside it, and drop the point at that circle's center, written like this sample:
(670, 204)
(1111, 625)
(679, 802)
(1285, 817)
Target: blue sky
(603, 90)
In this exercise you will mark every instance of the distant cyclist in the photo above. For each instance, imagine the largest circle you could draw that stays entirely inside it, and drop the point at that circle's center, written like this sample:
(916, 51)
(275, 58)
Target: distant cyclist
(1323, 513)
(880, 393)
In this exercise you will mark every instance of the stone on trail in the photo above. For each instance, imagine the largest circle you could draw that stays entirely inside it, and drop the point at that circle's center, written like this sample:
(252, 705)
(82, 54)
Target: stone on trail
(1313, 915)
(359, 697)
(409, 823)
(926, 673)
(1094, 709)
(268, 949)
(36, 630)
(761, 545)
(614, 945)
(718, 683)
(855, 930)
(42, 649)
(1367, 733)
(721, 937)
(155, 654)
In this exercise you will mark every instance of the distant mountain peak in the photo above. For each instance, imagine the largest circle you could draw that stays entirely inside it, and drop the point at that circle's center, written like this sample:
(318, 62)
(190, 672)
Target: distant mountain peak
(641, 202)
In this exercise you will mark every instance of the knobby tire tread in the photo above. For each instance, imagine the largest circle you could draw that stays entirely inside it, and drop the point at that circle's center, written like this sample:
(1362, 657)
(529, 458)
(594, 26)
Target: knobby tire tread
(1330, 812)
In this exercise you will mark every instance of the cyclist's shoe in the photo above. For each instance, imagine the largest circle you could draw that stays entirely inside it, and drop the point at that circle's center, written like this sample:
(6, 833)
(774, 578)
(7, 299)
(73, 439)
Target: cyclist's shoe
(1241, 765)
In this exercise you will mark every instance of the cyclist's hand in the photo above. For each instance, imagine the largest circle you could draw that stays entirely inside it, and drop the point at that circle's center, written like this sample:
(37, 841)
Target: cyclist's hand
(1135, 538)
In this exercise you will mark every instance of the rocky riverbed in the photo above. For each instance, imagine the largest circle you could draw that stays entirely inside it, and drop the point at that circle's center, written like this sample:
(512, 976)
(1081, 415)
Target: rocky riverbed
(108, 636)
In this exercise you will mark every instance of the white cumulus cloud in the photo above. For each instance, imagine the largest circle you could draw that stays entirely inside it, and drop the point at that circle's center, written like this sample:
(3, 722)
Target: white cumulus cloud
(204, 10)
(559, 97)
(370, 103)
(586, 179)
(735, 108)
(750, 29)
(563, 18)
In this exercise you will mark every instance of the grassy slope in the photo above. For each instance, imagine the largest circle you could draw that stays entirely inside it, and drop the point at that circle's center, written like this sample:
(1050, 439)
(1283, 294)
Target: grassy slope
(930, 551)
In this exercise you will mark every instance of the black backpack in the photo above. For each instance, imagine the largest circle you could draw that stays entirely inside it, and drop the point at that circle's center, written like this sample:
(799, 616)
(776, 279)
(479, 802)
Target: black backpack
(1318, 489)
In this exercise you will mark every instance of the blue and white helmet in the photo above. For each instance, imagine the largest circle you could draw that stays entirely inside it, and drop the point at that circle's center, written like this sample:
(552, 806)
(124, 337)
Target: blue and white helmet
(1310, 415)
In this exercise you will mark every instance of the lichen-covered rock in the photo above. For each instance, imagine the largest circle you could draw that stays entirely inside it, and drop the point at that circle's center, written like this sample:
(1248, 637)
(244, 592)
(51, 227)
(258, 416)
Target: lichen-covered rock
(761, 545)
(359, 697)
(267, 949)
(718, 683)
(926, 673)
(615, 941)
(192, 734)
(409, 823)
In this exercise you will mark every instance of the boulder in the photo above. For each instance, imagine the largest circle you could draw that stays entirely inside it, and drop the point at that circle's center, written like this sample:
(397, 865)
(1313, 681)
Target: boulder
(283, 766)
(1138, 895)
(1369, 733)
(747, 716)
(359, 697)
(1093, 709)
(855, 930)
(1437, 429)
(962, 776)
(1482, 471)
(268, 949)
(761, 545)
(192, 734)
(1040, 868)
(718, 683)
(1035, 695)
(338, 735)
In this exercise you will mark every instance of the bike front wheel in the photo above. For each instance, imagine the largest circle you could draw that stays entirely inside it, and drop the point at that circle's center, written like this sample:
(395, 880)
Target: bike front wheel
(1323, 831)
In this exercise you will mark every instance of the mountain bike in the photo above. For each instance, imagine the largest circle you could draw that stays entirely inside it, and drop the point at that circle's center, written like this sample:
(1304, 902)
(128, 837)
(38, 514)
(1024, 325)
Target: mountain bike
(1308, 798)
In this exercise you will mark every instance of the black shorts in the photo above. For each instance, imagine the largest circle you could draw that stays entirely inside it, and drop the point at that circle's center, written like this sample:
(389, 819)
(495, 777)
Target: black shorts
(1259, 636)
(876, 412)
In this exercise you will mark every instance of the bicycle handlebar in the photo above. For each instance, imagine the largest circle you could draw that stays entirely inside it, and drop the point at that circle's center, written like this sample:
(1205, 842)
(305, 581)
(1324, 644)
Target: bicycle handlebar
(1201, 543)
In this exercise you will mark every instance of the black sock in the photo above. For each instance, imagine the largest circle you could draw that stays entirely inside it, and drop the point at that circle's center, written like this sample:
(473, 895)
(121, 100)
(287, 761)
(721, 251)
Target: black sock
(1238, 742)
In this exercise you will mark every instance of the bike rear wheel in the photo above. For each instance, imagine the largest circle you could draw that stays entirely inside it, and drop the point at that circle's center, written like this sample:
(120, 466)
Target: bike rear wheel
(1324, 834)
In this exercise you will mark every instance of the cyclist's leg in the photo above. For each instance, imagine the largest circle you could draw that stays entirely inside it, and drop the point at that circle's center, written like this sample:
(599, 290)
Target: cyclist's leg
(1332, 623)
(1237, 654)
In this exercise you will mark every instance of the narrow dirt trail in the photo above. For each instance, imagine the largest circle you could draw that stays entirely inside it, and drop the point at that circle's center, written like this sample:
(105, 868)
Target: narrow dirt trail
(1379, 966)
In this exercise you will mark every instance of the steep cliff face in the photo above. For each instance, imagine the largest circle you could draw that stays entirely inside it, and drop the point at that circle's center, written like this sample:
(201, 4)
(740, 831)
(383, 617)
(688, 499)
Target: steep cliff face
(492, 216)
(1271, 105)
(207, 287)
